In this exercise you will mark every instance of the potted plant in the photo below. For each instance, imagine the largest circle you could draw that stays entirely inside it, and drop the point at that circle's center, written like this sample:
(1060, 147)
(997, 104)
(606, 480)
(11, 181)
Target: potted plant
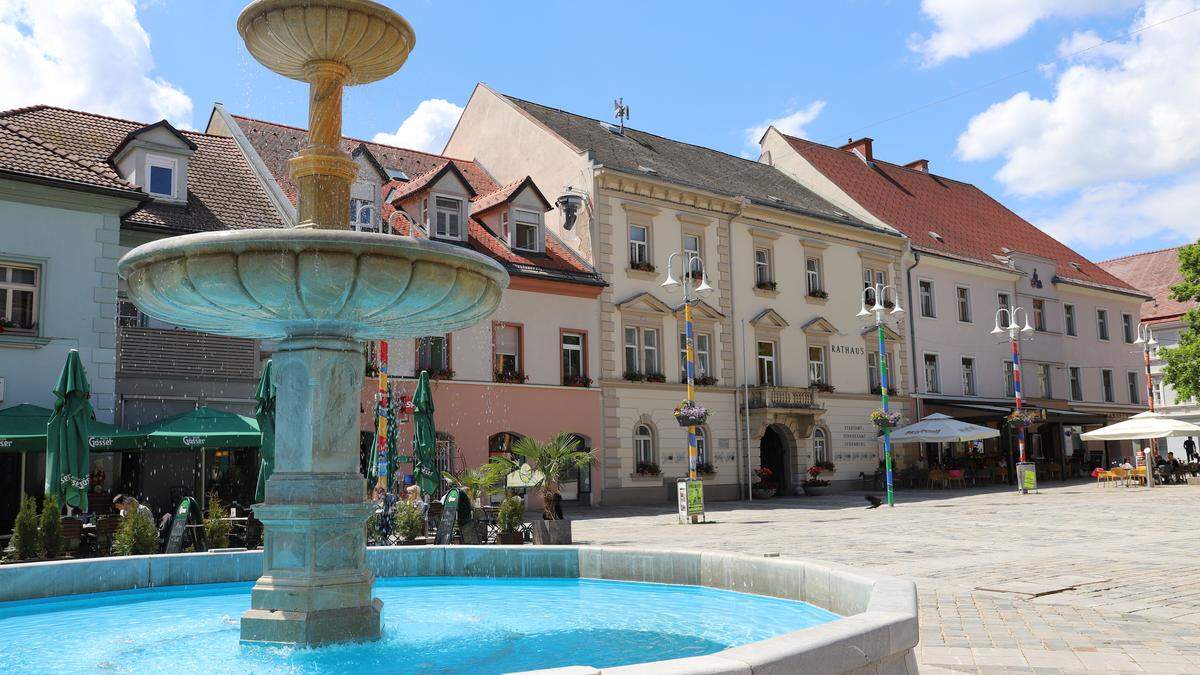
(690, 414)
(764, 486)
(482, 480)
(510, 519)
(634, 376)
(25, 540)
(877, 390)
(815, 485)
(511, 376)
(407, 522)
(641, 266)
(555, 460)
(704, 381)
(818, 293)
(216, 529)
(1019, 419)
(884, 420)
(137, 536)
(706, 469)
(577, 381)
(648, 469)
(656, 377)
(51, 544)
(766, 285)
(820, 385)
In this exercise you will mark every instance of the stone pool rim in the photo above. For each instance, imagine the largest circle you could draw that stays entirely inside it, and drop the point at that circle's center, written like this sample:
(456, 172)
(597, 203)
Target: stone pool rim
(877, 631)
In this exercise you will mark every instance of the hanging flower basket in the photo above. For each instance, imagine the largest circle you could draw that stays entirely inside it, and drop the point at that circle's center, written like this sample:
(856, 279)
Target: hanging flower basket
(884, 420)
(1019, 420)
(690, 413)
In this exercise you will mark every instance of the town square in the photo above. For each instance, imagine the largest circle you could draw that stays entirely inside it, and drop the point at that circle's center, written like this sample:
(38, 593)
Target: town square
(671, 338)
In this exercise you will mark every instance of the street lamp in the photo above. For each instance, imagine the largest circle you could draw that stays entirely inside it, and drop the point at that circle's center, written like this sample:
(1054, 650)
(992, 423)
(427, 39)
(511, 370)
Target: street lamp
(692, 265)
(1145, 338)
(1008, 321)
(878, 294)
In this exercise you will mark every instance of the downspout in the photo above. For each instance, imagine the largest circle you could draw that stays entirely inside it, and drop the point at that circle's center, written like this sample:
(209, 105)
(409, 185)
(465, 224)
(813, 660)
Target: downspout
(912, 330)
(741, 414)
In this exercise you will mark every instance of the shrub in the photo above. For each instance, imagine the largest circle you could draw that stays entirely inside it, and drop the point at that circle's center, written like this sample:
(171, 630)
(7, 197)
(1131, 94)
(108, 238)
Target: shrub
(216, 530)
(25, 543)
(512, 515)
(136, 536)
(408, 522)
(52, 541)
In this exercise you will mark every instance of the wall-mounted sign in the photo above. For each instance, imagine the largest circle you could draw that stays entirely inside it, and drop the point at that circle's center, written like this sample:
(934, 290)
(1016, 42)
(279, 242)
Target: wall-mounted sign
(843, 349)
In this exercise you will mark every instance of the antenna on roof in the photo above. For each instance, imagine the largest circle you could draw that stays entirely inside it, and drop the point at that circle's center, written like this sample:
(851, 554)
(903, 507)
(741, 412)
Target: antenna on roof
(621, 111)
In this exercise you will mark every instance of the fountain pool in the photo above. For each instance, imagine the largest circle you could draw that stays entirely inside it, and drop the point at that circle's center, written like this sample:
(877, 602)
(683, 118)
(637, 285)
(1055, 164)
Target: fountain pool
(430, 625)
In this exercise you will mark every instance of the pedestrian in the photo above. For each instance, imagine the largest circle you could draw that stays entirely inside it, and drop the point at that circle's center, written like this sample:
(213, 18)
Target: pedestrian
(1190, 446)
(128, 506)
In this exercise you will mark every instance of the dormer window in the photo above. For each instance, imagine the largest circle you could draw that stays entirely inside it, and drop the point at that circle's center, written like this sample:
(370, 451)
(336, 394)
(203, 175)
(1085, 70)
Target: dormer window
(362, 215)
(160, 172)
(447, 214)
(527, 230)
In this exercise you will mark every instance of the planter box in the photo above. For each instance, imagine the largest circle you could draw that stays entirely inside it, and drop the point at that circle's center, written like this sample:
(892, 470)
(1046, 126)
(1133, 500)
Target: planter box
(815, 491)
(763, 493)
(551, 532)
(511, 538)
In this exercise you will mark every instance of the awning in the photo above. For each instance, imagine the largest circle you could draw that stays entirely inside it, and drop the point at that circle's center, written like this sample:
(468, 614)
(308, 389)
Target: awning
(202, 428)
(23, 429)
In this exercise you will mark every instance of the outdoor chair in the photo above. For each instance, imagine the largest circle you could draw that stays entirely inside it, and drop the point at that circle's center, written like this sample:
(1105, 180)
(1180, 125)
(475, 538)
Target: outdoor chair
(72, 532)
(1138, 475)
(1054, 471)
(1000, 474)
(938, 478)
(1119, 475)
(106, 528)
(955, 478)
(1104, 477)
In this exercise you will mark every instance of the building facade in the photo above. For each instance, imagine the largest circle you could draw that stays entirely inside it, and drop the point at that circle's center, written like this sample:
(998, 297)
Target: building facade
(969, 256)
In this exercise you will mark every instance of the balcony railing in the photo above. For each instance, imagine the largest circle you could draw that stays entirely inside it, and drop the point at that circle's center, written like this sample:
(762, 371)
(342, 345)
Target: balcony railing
(184, 353)
(782, 397)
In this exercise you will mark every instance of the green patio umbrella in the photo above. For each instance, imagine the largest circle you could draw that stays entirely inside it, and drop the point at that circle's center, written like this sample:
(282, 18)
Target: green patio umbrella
(68, 464)
(264, 414)
(23, 428)
(202, 428)
(104, 437)
(393, 437)
(424, 438)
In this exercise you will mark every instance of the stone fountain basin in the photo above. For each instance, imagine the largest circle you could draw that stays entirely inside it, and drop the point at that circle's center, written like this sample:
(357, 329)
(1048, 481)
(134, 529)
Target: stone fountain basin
(279, 283)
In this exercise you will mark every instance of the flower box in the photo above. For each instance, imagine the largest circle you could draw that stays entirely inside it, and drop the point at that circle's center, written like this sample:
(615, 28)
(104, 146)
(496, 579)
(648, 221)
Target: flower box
(690, 414)
(511, 377)
(656, 377)
(884, 420)
(577, 381)
(641, 266)
(766, 285)
(823, 295)
(763, 493)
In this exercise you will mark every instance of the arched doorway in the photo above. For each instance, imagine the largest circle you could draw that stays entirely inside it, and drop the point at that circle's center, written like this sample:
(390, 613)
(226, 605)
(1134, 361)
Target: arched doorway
(773, 453)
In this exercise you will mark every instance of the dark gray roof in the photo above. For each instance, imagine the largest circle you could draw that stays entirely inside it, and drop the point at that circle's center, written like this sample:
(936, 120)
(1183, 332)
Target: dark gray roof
(638, 152)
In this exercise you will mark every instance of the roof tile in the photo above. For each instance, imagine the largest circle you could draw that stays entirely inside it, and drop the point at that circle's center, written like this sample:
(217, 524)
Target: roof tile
(1154, 272)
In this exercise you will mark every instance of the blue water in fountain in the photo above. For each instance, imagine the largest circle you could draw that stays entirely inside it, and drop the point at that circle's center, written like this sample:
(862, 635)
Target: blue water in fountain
(431, 625)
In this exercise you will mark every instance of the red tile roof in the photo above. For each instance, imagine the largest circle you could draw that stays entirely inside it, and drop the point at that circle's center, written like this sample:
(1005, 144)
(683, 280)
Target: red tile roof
(223, 191)
(276, 143)
(970, 223)
(24, 153)
(415, 185)
(501, 196)
(1154, 272)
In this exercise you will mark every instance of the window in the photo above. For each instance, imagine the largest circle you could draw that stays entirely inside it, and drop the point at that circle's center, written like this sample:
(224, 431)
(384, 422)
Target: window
(1076, 383)
(932, 378)
(528, 230)
(448, 218)
(871, 278)
(1102, 324)
(873, 371)
(639, 245)
(1134, 387)
(925, 288)
(762, 267)
(703, 364)
(812, 267)
(701, 446)
(433, 353)
(968, 376)
(820, 446)
(816, 365)
(1106, 384)
(362, 215)
(1127, 328)
(691, 253)
(641, 350)
(1157, 390)
(964, 304)
(643, 444)
(1069, 319)
(128, 315)
(573, 364)
(766, 363)
(1045, 380)
(160, 174)
(1039, 314)
(506, 358)
(18, 296)
(1002, 299)
(1010, 382)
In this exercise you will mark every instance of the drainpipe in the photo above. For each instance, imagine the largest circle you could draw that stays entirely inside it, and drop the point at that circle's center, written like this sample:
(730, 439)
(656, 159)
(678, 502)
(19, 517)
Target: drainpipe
(741, 413)
(912, 329)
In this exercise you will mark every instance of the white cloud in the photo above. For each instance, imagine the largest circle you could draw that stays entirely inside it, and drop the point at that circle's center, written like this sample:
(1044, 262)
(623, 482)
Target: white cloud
(1126, 113)
(964, 27)
(427, 128)
(791, 124)
(1120, 213)
(93, 56)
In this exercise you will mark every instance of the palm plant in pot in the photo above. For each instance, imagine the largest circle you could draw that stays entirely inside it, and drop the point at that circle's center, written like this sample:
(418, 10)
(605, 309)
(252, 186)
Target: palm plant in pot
(554, 460)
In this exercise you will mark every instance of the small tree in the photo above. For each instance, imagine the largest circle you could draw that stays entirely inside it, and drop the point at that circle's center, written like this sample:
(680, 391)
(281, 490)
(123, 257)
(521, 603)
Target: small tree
(1182, 369)
(482, 480)
(555, 460)
(512, 515)
(408, 521)
(136, 536)
(52, 541)
(216, 529)
(25, 540)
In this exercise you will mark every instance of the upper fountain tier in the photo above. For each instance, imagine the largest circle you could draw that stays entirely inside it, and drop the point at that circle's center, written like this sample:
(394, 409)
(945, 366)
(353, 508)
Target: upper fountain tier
(273, 284)
(287, 36)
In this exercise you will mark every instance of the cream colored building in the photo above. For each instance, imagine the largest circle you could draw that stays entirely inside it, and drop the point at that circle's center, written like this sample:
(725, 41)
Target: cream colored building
(645, 197)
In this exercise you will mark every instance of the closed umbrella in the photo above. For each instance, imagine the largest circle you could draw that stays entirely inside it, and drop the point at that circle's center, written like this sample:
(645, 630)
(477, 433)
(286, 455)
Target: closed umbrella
(68, 464)
(424, 438)
(1143, 425)
(264, 413)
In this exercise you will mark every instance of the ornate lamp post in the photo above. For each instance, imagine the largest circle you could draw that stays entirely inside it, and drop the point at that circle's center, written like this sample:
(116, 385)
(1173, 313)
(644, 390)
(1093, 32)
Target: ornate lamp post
(1145, 338)
(878, 294)
(1007, 321)
(693, 266)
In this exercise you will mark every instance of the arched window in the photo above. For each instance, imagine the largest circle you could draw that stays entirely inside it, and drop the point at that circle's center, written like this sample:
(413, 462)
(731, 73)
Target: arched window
(820, 443)
(500, 445)
(643, 444)
(701, 446)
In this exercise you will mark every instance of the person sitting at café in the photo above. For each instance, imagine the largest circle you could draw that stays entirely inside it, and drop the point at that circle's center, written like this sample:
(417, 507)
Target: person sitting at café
(412, 495)
(127, 505)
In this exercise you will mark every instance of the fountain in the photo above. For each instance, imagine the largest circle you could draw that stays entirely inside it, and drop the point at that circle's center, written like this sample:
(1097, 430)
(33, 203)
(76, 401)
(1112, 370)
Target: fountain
(320, 289)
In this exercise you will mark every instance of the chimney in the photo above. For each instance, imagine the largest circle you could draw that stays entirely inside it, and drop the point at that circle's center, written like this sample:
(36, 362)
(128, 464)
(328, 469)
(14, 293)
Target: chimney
(921, 165)
(861, 147)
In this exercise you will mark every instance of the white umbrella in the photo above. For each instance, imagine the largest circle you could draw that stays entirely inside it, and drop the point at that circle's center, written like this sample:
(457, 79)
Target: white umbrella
(939, 428)
(524, 477)
(1143, 425)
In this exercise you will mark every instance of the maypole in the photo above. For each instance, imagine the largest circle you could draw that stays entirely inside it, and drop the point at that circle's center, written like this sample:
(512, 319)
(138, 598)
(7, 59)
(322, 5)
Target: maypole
(381, 420)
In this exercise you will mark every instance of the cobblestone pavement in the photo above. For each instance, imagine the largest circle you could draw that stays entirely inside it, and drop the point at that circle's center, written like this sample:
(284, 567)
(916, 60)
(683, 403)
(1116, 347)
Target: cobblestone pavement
(1075, 578)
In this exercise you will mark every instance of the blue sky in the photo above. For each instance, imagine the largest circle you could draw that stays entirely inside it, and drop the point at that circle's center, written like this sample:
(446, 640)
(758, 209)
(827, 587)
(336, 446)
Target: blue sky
(1098, 148)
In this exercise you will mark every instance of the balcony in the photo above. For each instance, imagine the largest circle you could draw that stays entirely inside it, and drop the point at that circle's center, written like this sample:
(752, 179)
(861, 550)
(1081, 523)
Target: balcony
(151, 352)
(793, 398)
